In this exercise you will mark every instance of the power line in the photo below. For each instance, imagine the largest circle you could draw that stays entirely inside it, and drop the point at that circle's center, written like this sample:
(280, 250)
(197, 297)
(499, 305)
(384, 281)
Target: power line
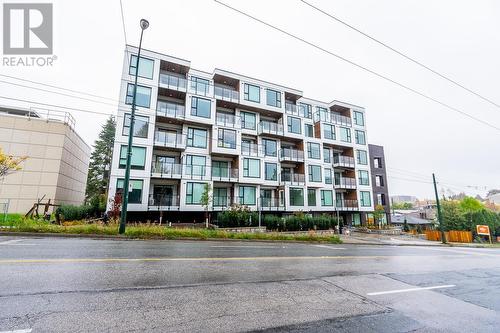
(123, 23)
(402, 54)
(360, 66)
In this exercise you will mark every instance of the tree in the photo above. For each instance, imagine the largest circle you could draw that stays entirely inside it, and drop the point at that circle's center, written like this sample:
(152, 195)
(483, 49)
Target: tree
(378, 214)
(402, 205)
(100, 162)
(470, 206)
(206, 198)
(406, 228)
(9, 163)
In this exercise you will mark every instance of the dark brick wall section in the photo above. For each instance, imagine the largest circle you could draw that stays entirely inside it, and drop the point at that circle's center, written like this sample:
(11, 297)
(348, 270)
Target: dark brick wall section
(377, 152)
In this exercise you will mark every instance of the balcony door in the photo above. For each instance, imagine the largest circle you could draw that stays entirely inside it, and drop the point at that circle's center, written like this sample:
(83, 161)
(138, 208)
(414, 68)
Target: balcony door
(163, 195)
(165, 164)
(266, 197)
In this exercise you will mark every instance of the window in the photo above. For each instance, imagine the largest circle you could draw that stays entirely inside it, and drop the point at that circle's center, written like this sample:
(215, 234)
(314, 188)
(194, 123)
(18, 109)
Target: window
(294, 125)
(313, 150)
(200, 107)
(365, 198)
(251, 93)
(363, 177)
(309, 130)
(311, 197)
(200, 86)
(326, 198)
(269, 147)
(377, 162)
(273, 98)
(135, 195)
(328, 176)
(381, 199)
(137, 160)
(220, 197)
(329, 131)
(248, 120)
(345, 134)
(306, 110)
(226, 138)
(194, 191)
(296, 197)
(247, 195)
(314, 173)
(360, 137)
(379, 180)
(326, 155)
(361, 157)
(142, 97)
(220, 169)
(359, 118)
(140, 126)
(197, 138)
(271, 171)
(195, 165)
(251, 168)
(145, 67)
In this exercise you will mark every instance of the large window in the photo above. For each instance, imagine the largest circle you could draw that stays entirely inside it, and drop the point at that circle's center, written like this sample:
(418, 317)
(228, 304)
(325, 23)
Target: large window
(251, 93)
(313, 150)
(226, 138)
(146, 67)
(140, 126)
(135, 195)
(296, 196)
(305, 110)
(345, 134)
(314, 173)
(311, 197)
(326, 155)
(329, 131)
(328, 176)
(269, 147)
(220, 169)
(194, 191)
(362, 157)
(142, 98)
(248, 120)
(359, 118)
(271, 171)
(200, 86)
(365, 199)
(200, 107)
(251, 168)
(360, 137)
(247, 195)
(309, 130)
(273, 98)
(195, 165)
(294, 125)
(197, 138)
(363, 177)
(137, 160)
(326, 198)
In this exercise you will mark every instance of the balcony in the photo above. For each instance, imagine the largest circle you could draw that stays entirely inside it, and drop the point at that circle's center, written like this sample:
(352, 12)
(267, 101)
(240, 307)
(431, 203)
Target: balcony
(220, 203)
(292, 109)
(227, 120)
(292, 178)
(351, 205)
(200, 88)
(333, 118)
(170, 110)
(166, 170)
(345, 183)
(271, 204)
(225, 174)
(173, 82)
(291, 154)
(340, 161)
(196, 172)
(250, 149)
(170, 140)
(267, 127)
(226, 94)
(163, 202)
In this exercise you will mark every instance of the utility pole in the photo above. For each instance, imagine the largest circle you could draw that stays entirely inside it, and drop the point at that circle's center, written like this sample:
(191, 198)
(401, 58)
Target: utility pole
(123, 218)
(440, 217)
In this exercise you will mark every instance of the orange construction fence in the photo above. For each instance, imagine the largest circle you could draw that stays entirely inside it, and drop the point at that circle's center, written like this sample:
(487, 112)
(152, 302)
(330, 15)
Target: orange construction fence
(458, 236)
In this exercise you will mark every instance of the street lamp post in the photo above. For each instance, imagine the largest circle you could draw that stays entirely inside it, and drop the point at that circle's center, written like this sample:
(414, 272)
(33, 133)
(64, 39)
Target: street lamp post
(123, 218)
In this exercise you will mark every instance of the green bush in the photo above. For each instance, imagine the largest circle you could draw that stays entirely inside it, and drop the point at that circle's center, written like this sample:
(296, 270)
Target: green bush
(71, 213)
(299, 222)
(237, 216)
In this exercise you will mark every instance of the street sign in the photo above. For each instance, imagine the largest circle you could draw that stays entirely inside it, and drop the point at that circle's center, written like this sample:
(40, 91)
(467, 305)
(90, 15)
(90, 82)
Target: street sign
(483, 230)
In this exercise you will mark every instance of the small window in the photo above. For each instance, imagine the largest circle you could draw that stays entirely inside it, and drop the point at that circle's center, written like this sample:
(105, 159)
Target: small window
(311, 197)
(271, 171)
(294, 125)
(329, 131)
(309, 130)
(363, 177)
(251, 93)
(345, 134)
(247, 195)
(359, 118)
(251, 168)
(273, 98)
(377, 162)
(194, 192)
(135, 195)
(381, 199)
(296, 196)
(197, 138)
(140, 126)
(142, 98)
(360, 137)
(314, 173)
(379, 180)
(361, 157)
(365, 198)
(248, 120)
(326, 198)
(326, 155)
(226, 138)
(313, 150)
(201, 107)
(137, 160)
(146, 67)
(269, 147)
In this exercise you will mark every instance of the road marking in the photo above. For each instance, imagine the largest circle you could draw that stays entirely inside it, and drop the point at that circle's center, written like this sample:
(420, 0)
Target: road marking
(330, 247)
(410, 290)
(248, 246)
(11, 242)
(27, 330)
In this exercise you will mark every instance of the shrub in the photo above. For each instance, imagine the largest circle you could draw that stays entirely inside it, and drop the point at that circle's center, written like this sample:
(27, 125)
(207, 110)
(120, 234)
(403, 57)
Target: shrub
(237, 216)
(300, 222)
(70, 212)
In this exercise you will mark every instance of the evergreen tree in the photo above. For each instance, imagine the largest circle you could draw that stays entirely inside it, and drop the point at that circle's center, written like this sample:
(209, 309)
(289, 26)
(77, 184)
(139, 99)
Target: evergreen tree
(100, 164)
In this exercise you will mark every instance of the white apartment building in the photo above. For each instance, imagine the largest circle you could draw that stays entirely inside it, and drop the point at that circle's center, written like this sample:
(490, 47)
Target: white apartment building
(256, 143)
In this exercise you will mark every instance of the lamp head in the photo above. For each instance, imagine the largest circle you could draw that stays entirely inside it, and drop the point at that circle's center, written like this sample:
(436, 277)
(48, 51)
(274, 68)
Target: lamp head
(144, 24)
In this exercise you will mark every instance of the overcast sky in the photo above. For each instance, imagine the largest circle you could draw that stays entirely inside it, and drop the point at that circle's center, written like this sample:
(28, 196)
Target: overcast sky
(458, 38)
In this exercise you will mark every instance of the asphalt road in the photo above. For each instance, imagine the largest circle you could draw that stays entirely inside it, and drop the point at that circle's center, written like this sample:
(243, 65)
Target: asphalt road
(82, 285)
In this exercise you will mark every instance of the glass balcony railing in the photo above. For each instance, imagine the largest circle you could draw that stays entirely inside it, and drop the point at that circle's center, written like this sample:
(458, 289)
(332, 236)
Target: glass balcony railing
(170, 139)
(173, 82)
(250, 149)
(163, 200)
(220, 201)
(345, 182)
(271, 204)
(167, 170)
(346, 204)
(227, 120)
(224, 173)
(292, 178)
(170, 110)
(226, 94)
(291, 154)
(343, 161)
(292, 109)
(333, 118)
(268, 127)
